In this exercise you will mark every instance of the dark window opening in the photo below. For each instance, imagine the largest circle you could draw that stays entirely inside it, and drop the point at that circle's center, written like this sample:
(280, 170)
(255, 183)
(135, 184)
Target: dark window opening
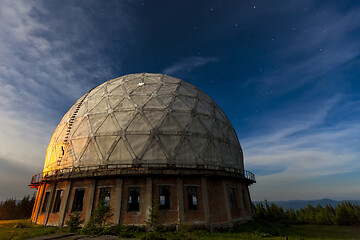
(104, 197)
(134, 199)
(46, 199)
(78, 200)
(232, 198)
(164, 197)
(192, 198)
(57, 202)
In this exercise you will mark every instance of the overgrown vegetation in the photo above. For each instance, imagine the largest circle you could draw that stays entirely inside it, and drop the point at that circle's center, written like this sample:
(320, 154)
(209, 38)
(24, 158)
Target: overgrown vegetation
(98, 220)
(10, 209)
(343, 214)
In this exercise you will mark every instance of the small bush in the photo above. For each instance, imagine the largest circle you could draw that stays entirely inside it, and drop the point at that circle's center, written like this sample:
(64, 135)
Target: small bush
(74, 222)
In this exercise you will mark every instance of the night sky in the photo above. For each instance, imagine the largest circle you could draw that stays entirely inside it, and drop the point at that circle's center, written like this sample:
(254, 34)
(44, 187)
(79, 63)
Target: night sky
(286, 73)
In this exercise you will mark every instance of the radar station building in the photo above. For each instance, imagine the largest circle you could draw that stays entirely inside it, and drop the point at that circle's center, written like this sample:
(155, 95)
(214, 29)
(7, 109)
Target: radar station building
(139, 140)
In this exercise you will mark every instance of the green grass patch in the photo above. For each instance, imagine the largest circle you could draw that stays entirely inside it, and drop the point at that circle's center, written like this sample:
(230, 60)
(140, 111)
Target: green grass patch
(23, 229)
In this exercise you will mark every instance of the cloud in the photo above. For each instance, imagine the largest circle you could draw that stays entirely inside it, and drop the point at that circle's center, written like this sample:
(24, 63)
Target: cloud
(303, 159)
(50, 55)
(187, 65)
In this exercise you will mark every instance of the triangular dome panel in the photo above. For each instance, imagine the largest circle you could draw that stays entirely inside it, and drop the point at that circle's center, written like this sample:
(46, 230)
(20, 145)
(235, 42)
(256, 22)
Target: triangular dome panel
(182, 118)
(90, 156)
(78, 146)
(124, 118)
(137, 143)
(125, 104)
(96, 120)
(108, 126)
(105, 143)
(154, 153)
(170, 142)
(169, 125)
(165, 99)
(140, 100)
(118, 91)
(83, 129)
(138, 124)
(154, 103)
(153, 117)
(196, 127)
(120, 154)
(185, 154)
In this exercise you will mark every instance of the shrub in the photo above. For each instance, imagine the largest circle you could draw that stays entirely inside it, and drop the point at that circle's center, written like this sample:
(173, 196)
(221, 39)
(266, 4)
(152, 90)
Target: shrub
(74, 222)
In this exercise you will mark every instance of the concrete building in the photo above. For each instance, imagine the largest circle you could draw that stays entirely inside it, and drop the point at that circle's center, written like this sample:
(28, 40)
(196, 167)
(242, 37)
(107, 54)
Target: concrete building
(142, 139)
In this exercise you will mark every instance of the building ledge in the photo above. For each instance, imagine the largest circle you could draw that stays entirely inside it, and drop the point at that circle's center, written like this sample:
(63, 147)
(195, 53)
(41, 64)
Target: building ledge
(123, 170)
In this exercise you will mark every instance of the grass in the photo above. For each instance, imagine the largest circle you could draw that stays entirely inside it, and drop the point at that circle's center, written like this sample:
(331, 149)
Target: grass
(294, 232)
(249, 231)
(8, 231)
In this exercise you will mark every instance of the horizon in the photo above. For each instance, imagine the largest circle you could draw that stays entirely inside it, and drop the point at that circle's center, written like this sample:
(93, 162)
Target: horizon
(285, 74)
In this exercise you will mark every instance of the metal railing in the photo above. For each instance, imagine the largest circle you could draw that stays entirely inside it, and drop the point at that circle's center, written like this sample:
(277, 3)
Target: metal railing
(37, 178)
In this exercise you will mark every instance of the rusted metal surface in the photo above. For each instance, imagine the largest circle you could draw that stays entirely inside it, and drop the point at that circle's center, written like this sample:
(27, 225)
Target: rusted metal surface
(141, 169)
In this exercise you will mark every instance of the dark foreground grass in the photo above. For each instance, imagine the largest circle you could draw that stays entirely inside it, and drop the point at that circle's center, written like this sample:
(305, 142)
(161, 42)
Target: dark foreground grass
(23, 229)
(263, 230)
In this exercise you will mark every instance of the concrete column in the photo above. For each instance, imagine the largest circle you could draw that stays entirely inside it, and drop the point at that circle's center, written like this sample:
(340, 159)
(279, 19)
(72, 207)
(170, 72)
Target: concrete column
(226, 201)
(205, 198)
(248, 202)
(90, 203)
(40, 201)
(33, 213)
(49, 204)
(180, 200)
(242, 203)
(148, 196)
(118, 201)
(64, 203)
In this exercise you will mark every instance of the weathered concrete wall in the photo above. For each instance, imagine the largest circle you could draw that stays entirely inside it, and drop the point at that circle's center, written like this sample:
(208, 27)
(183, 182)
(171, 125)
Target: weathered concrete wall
(214, 206)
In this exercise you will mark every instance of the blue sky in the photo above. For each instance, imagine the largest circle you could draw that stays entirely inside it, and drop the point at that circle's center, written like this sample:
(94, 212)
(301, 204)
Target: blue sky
(286, 73)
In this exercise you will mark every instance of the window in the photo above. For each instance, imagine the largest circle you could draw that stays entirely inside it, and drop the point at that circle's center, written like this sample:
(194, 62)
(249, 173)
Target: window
(164, 197)
(104, 196)
(134, 199)
(57, 202)
(78, 200)
(232, 197)
(192, 198)
(46, 199)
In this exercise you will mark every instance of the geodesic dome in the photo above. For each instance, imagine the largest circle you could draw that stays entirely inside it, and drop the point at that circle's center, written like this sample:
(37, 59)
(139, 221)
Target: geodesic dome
(144, 119)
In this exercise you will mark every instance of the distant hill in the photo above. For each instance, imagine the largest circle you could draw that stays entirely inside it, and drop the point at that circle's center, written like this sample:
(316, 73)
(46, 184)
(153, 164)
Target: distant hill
(297, 204)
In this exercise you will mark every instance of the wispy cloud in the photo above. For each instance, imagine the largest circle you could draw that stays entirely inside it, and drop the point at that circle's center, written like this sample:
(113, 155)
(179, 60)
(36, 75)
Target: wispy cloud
(187, 65)
(303, 155)
(48, 59)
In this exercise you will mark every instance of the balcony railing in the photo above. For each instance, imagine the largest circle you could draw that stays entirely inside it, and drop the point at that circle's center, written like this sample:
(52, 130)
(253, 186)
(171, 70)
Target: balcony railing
(36, 179)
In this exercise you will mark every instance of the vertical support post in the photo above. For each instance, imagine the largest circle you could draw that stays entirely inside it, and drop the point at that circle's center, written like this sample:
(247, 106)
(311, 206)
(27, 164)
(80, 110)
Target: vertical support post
(118, 199)
(242, 203)
(51, 199)
(64, 203)
(40, 201)
(248, 202)
(33, 213)
(91, 195)
(180, 199)
(205, 200)
(226, 201)
(148, 196)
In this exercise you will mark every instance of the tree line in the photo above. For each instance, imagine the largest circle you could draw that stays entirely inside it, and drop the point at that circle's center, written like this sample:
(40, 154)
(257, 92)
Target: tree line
(344, 213)
(12, 209)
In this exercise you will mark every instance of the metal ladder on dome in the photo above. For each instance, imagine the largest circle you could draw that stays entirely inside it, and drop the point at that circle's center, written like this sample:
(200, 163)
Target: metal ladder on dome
(70, 125)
